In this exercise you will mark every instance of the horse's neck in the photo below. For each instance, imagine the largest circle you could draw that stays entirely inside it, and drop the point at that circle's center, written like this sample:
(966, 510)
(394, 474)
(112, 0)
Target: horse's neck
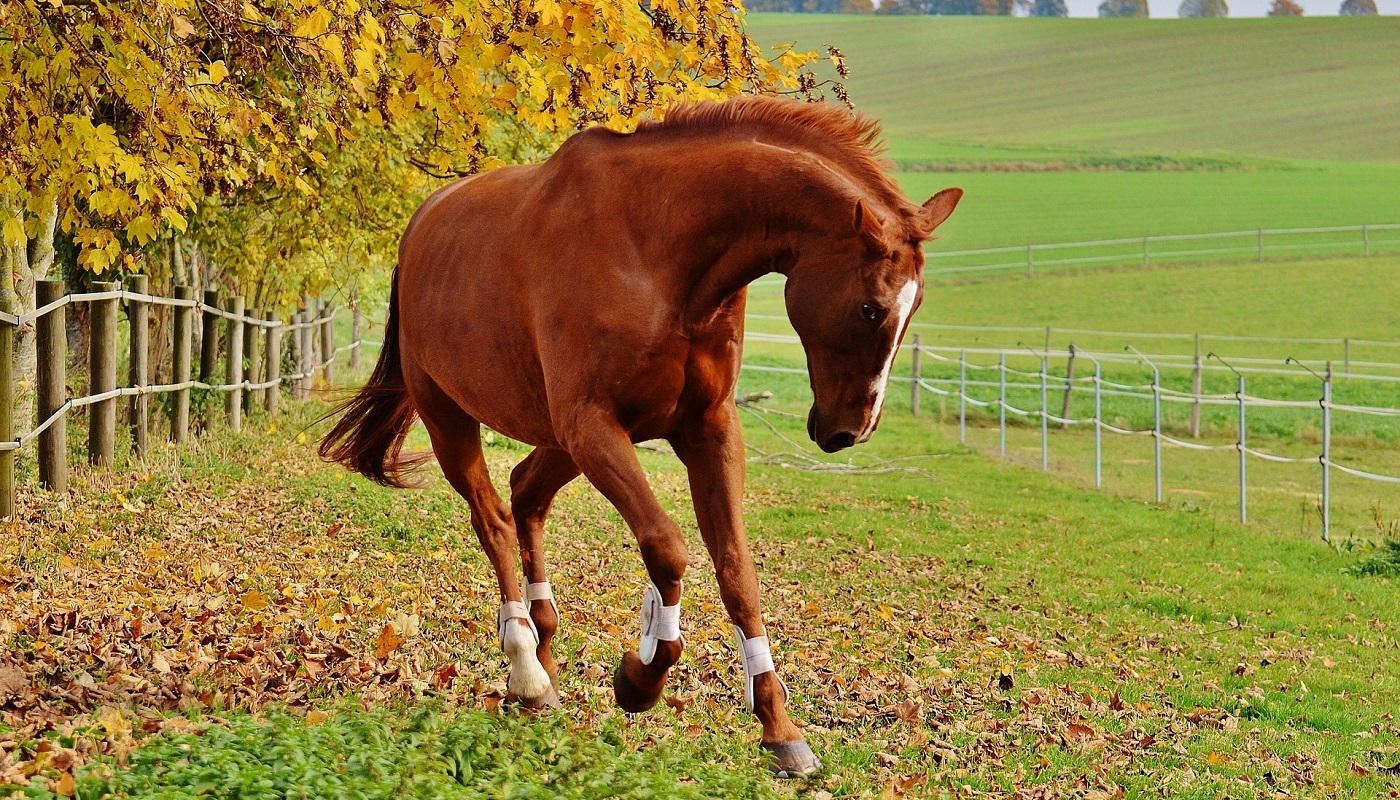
(762, 221)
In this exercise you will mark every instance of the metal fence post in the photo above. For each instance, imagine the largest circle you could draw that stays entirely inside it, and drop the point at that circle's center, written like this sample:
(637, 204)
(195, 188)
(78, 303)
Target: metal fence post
(1244, 457)
(914, 368)
(102, 377)
(1196, 371)
(1098, 424)
(1144, 251)
(1365, 241)
(1030, 261)
(51, 346)
(1157, 430)
(1261, 244)
(233, 365)
(1001, 402)
(962, 396)
(138, 315)
(1044, 413)
(1327, 454)
(182, 333)
(1346, 357)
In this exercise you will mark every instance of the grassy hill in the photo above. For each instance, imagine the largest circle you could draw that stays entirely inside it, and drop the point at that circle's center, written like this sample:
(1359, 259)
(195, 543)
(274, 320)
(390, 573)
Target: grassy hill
(1067, 129)
(1277, 88)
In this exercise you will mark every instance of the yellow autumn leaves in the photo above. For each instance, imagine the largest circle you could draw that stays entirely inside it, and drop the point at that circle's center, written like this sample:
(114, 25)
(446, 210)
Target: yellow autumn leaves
(139, 118)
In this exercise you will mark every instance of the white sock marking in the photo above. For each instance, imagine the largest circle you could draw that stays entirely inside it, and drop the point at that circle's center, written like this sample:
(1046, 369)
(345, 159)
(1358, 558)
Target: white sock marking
(905, 304)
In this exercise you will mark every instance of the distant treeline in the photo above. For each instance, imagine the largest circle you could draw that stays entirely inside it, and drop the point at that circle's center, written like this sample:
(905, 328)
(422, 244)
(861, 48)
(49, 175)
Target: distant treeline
(1033, 8)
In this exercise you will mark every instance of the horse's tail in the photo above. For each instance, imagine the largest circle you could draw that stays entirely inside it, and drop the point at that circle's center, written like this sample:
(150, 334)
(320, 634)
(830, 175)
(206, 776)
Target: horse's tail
(368, 438)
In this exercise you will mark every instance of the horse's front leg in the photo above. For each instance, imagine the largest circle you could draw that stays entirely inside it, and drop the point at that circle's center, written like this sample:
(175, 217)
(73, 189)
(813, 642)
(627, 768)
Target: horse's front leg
(604, 452)
(713, 453)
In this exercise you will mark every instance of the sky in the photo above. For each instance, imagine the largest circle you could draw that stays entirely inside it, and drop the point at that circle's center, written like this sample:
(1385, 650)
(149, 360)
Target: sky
(1238, 8)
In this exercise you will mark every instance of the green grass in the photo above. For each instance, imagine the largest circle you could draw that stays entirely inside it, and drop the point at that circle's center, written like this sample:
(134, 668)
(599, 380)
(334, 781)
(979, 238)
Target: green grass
(1272, 88)
(1163, 126)
(1009, 605)
(430, 751)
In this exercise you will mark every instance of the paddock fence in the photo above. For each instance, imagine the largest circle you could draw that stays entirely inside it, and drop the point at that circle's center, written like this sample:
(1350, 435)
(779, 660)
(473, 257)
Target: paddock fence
(1261, 243)
(255, 348)
(984, 378)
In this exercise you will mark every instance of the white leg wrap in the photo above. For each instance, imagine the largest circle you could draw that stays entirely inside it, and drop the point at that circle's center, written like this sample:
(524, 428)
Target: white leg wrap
(540, 591)
(659, 623)
(758, 659)
(527, 679)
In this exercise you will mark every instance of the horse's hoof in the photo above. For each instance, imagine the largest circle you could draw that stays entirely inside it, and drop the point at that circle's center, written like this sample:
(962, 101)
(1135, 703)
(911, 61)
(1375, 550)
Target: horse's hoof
(550, 699)
(630, 697)
(791, 759)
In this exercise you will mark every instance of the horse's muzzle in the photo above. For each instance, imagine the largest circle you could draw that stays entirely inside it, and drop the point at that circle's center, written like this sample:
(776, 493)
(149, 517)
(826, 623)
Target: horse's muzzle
(828, 442)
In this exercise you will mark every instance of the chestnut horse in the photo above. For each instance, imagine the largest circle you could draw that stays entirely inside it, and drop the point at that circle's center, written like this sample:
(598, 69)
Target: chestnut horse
(596, 300)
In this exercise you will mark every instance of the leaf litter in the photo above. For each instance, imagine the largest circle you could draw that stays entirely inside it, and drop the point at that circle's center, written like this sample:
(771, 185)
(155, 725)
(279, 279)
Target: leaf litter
(156, 602)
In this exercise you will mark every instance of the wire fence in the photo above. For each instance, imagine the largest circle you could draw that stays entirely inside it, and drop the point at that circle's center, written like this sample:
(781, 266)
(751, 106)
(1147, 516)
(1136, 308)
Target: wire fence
(252, 358)
(1260, 244)
(991, 376)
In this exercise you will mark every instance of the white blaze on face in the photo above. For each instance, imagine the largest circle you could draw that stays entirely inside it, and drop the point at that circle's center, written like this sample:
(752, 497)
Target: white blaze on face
(904, 303)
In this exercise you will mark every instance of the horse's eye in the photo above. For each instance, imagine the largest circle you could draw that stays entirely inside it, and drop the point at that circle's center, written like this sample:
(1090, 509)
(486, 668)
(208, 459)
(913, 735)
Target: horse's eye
(871, 313)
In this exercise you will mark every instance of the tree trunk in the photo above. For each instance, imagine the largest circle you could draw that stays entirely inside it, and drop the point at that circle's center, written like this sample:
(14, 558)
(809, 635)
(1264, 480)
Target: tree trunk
(27, 264)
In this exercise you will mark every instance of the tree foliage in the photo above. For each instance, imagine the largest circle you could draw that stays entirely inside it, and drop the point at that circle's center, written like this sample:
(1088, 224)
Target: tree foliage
(1202, 8)
(133, 115)
(1123, 8)
(1049, 8)
(1358, 8)
(1285, 8)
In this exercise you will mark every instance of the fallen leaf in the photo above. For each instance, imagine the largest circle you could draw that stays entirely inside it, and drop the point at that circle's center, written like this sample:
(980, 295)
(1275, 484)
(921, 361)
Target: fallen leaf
(389, 641)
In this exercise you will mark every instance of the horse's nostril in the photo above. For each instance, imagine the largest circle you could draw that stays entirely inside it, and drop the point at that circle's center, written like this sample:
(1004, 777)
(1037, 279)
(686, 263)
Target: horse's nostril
(812, 424)
(838, 441)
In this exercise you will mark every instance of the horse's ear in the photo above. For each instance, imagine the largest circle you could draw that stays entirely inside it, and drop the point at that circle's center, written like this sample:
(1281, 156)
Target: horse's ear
(871, 229)
(937, 209)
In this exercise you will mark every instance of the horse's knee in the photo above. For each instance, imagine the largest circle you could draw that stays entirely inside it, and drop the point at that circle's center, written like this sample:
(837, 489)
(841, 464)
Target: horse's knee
(664, 554)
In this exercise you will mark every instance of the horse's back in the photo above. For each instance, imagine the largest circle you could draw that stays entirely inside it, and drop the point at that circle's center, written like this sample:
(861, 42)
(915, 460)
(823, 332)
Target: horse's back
(522, 284)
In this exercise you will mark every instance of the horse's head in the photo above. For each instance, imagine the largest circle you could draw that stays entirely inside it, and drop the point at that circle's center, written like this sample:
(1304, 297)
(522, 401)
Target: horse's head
(850, 297)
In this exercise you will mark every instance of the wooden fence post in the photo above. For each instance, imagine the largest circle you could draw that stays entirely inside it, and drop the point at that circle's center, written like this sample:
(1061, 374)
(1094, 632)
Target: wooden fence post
(272, 363)
(328, 343)
(7, 419)
(251, 397)
(138, 315)
(233, 364)
(308, 355)
(355, 322)
(298, 361)
(918, 375)
(1069, 387)
(208, 346)
(182, 339)
(1196, 371)
(51, 345)
(102, 377)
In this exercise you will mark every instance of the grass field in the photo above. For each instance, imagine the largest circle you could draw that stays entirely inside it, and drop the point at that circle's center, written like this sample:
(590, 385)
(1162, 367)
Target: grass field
(964, 628)
(1152, 126)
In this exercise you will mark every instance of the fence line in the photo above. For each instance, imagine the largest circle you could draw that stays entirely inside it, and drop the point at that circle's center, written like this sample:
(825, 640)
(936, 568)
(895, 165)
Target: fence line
(957, 388)
(1259, 245)
(253, 368)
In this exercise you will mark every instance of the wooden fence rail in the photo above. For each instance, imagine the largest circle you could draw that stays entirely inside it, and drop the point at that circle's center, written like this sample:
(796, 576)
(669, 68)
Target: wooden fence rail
(252, 377)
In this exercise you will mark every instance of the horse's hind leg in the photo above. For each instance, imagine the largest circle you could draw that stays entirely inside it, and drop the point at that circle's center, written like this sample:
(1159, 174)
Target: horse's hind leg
(533, 484)
(456, 439)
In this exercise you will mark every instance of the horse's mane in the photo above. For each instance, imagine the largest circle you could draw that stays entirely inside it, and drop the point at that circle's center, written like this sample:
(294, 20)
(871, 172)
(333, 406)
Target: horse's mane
(851, 141)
